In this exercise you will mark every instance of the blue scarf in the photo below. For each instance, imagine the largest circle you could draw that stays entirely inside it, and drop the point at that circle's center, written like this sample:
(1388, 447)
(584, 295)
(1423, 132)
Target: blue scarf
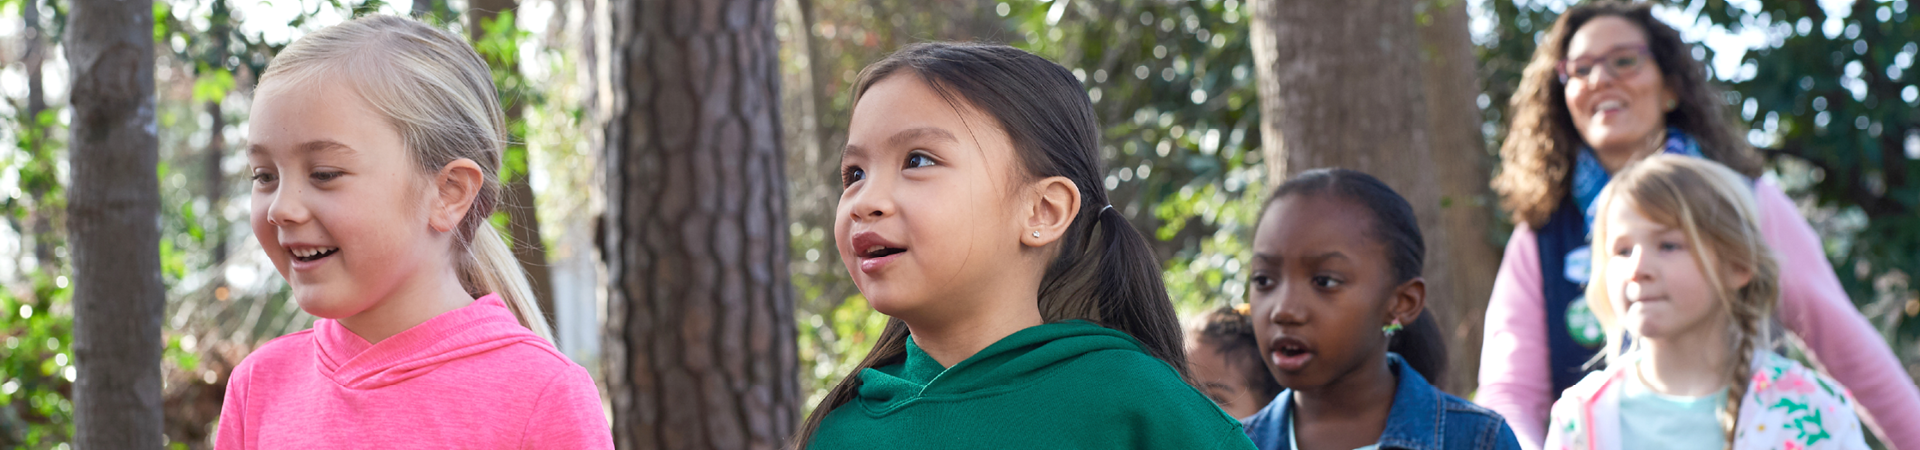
(1589, 177)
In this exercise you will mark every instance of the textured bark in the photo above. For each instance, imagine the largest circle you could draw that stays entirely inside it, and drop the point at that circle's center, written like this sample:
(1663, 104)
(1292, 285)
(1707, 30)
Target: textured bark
(523, 220)
(1340, 87)
(114, 217)
(700, 351)
(1462, 166)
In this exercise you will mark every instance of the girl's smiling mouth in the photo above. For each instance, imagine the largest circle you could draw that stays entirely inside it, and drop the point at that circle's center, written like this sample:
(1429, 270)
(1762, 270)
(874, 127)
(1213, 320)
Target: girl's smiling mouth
(874, 252)
(309, 256)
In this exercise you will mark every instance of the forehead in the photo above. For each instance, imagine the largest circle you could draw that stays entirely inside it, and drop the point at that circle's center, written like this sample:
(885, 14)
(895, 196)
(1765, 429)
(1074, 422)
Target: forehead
(1301, 225)
(1623, 217)
(1603, 34)
(903, 101)
(290, 117)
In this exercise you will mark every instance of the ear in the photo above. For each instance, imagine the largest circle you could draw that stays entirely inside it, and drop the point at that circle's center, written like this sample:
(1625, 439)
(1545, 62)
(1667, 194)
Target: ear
(454, 189)
(1408, 300)
(1669, 101)
(1737, 278)
(1055, 202)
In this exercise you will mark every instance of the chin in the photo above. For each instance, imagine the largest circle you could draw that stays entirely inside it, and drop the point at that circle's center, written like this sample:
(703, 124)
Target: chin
(325, 303)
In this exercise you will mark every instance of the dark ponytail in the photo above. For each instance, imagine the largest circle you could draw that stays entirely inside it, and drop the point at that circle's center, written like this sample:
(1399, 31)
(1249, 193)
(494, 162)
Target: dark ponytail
(1105, 272)
(1421, 343)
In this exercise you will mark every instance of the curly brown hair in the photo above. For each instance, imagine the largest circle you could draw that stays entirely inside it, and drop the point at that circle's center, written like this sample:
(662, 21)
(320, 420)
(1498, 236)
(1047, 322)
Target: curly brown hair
(1537, 158)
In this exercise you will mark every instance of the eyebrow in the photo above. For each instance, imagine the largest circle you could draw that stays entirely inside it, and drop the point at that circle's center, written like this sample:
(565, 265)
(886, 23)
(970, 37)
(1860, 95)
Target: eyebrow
(1275, 259)
(314, 146)
(905, 137)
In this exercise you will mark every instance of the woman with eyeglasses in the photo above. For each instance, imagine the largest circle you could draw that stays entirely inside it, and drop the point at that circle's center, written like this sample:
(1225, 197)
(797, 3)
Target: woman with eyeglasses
(1608, 86)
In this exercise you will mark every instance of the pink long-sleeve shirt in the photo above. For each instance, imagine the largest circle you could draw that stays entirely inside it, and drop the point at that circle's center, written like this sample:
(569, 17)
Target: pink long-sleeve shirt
(471, 378)
(1514, 378)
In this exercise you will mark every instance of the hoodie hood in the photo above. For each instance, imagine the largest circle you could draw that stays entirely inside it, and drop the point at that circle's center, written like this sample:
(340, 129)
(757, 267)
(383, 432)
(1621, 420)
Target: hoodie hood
(1011, 363)
(483, 326)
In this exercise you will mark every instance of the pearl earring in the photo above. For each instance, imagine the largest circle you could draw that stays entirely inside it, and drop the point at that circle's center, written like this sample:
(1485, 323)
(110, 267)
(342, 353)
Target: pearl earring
(1036, 235)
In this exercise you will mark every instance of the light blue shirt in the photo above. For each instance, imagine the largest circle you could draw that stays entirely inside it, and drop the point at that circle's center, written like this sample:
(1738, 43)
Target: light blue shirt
(1654, 421)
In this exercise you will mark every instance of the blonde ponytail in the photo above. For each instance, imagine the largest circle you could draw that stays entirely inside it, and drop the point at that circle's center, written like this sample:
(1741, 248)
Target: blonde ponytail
(439, 94)
(491, 267)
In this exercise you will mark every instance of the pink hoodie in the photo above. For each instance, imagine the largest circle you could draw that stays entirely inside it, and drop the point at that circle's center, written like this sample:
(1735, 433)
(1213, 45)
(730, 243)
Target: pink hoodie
(470, 378)
(1513, 357)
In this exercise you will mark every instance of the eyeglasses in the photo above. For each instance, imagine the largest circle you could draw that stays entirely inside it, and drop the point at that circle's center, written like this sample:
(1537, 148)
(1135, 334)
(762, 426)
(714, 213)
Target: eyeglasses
(1619, 63)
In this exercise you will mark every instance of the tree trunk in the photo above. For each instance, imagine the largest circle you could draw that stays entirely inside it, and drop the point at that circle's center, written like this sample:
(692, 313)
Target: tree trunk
(700, 351)
(219, 25)
(523, 220)
(1340, 87)
(114, 216)
(1462, 166)
(40, 220)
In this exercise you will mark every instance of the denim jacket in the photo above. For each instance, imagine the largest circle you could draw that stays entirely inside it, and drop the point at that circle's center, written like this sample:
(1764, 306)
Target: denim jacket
(1422, 418)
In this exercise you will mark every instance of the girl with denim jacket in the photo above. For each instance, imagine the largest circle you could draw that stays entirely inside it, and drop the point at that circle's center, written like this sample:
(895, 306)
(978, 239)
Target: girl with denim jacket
(1335, 274)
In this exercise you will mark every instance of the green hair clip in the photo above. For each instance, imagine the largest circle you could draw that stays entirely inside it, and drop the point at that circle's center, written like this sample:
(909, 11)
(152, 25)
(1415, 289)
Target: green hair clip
(1389, 329)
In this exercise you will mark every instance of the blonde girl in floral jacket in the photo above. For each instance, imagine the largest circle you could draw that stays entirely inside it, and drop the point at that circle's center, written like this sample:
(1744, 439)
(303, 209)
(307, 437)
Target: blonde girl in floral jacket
(1683, 283)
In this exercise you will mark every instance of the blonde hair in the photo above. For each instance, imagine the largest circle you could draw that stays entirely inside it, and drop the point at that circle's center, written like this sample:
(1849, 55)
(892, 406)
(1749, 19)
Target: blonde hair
(437, 92)
(1714, 207)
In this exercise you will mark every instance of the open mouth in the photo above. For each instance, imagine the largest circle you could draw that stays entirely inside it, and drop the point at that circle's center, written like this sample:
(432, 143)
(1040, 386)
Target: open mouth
(311, 254)
(1291, 350)
(1609, 105)
(874, 251)
(1290, 354)
(881, 251)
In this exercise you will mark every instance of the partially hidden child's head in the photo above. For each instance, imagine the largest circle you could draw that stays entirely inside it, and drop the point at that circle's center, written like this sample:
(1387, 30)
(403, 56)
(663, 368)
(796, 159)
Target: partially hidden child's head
(1223, 354)
(375, 149)
(1677, 250)
(1337, 259)
(975, 165)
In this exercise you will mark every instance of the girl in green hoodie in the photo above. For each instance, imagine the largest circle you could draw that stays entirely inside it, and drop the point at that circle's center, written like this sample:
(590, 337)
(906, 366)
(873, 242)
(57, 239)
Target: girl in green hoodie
(1026, 311)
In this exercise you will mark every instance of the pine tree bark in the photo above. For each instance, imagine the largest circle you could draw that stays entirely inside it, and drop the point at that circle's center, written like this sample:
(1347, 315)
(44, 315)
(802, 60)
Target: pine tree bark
(1340, 87)
(1463, 166)
(523, 220)
(114, 217)
(700, 351)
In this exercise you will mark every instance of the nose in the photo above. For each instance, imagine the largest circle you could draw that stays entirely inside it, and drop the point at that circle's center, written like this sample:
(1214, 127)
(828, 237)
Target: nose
(1643, 267)
(1288, 309)
(872, 200)
(287, 207)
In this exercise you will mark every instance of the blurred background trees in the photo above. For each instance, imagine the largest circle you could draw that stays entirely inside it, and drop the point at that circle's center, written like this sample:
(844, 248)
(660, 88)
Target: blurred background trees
(1827, 87)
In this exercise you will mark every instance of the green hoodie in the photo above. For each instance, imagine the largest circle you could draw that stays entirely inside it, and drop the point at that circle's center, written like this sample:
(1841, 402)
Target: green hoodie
(1060, 385)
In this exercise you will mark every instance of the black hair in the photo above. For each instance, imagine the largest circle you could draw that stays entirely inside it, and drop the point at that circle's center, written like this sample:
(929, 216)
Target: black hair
(1230, 332)
(1421, 343)
(1104, 272)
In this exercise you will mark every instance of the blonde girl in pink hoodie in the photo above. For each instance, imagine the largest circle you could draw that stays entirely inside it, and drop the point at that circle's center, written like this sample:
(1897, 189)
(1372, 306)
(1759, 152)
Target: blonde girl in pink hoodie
(375, 148)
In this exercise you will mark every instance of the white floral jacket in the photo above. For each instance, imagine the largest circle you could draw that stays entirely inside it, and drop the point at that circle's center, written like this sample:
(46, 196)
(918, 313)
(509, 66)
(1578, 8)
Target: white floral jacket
(1787, 407)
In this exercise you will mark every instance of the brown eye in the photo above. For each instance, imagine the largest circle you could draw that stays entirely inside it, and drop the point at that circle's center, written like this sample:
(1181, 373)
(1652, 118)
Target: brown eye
(1261, 282)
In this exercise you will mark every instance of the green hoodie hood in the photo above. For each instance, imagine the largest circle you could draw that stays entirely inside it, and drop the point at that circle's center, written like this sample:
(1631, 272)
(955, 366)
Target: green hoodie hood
(1006, 365)
(1069, 384)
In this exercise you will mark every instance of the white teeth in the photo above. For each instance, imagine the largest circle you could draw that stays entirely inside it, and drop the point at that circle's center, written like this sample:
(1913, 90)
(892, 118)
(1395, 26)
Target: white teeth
(309, 252)
(875, 249)
(1609, 104)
